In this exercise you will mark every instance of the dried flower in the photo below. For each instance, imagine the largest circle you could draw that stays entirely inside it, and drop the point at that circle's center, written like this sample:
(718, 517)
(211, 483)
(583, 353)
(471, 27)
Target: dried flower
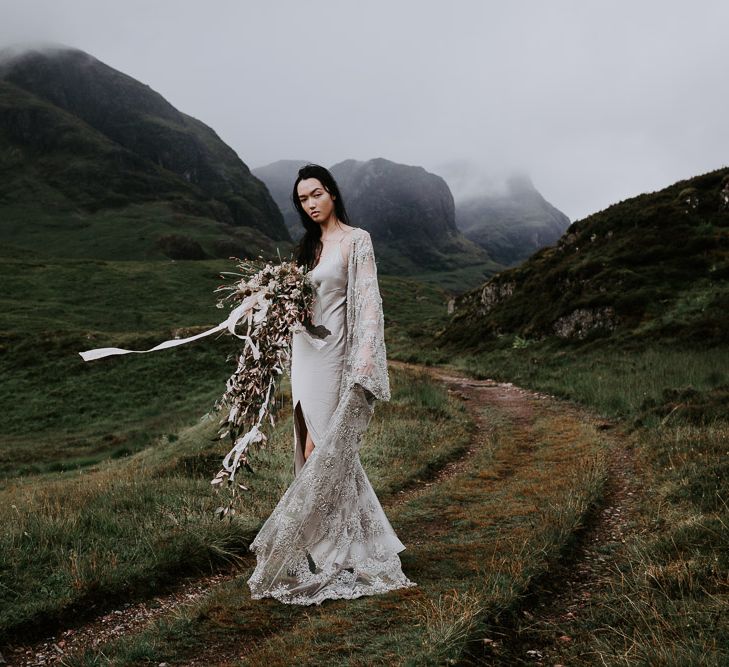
(274, 300)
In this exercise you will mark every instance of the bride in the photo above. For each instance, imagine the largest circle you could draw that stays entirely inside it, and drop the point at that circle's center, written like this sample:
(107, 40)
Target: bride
(328, 537)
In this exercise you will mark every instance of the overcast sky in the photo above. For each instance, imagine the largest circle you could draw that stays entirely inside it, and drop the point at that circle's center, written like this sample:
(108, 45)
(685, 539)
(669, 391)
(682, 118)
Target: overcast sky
(596, 101)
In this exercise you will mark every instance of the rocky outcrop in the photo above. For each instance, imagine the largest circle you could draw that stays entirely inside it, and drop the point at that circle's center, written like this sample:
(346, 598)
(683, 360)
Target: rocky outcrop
(650, 268)
(580, 322)
(724, 195)
(397, 201)
(493, 293)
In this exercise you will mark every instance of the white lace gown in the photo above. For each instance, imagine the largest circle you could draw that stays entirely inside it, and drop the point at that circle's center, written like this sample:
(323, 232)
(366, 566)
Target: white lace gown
(328, 537)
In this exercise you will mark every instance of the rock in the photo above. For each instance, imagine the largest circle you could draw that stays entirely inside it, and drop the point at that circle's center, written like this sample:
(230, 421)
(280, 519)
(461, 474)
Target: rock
(494, 293)
(583, 320)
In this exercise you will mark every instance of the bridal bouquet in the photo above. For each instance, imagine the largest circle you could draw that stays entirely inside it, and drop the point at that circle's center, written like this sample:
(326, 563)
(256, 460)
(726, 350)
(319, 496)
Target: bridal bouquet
(274, 302)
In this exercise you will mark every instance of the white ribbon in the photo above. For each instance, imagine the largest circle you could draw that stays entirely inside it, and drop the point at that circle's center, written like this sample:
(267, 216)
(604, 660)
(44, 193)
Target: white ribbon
(243, 310)
(244, 441)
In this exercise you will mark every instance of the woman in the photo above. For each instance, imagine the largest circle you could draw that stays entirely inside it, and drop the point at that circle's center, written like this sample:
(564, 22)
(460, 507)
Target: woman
(328, 537)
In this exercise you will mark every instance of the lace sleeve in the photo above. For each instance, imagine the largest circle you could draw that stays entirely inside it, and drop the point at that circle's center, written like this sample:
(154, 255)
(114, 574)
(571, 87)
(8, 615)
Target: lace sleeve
(369, 358)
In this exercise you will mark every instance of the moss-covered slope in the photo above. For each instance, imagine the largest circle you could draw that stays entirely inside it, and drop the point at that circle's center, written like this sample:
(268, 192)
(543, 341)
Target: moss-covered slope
(653, 267)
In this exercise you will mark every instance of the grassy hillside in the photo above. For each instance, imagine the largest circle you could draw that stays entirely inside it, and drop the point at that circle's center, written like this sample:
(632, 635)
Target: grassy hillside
(476, 535)
(474, 542)
(105, 466)
(456, 270)
(62, 412)
(138, 231)
(72, 428)
(95, 164)
(628, 314)
(650, 268)
(665, 599)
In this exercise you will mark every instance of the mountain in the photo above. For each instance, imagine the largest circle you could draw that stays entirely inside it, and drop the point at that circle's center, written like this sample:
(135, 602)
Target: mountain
(650, 268)
(279, 178)
(512, 226)
(408, 211)
(85, 146)
(411, 216)
(508, 217)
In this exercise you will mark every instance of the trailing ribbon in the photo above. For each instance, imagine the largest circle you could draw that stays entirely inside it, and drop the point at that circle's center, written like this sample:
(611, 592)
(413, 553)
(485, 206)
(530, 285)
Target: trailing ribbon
(243, 311)
(243, 442)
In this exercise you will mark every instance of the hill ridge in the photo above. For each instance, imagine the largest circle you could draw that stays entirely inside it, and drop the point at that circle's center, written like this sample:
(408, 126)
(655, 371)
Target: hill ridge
(648, 267)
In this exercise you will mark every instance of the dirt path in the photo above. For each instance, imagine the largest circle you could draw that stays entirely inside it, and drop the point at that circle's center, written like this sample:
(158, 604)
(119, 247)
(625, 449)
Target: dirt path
(555, 602)
(476, 394)
(128, 619)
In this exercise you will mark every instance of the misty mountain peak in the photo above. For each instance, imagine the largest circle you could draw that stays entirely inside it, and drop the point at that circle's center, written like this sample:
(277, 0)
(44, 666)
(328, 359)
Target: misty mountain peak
(520, 183)
(127, 142)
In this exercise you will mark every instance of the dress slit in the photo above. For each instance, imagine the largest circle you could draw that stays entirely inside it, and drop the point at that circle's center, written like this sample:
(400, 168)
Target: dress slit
(299, 438)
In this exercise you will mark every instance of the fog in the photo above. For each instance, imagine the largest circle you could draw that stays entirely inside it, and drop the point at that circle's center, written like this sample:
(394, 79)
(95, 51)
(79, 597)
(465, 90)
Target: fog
(595, 101)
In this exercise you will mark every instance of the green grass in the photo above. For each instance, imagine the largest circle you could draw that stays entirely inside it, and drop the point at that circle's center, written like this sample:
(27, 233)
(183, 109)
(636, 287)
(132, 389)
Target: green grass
(665, 600)
(125, 527)
(457, 281)
(474, 544)
(115, 470)
(62, 412)
(451, 263)
(615, 382)
(619, 382)
(123, 233)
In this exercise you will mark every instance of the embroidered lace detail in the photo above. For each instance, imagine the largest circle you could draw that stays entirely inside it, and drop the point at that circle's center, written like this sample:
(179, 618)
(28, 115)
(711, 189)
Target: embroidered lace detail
(328, 537)
(366, 355)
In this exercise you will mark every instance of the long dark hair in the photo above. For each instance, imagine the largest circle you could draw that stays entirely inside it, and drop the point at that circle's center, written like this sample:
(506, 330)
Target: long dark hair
(310, 243)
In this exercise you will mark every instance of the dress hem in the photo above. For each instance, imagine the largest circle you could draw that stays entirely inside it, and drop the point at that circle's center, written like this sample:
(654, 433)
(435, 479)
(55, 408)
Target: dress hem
(358, 592)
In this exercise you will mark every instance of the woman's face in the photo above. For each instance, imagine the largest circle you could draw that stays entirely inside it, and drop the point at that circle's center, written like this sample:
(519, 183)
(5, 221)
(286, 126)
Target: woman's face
(315, 200)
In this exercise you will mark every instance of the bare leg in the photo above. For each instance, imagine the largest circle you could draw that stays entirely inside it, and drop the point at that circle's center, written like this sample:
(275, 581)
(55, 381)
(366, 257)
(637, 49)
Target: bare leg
(309, 446)
(304, 432)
